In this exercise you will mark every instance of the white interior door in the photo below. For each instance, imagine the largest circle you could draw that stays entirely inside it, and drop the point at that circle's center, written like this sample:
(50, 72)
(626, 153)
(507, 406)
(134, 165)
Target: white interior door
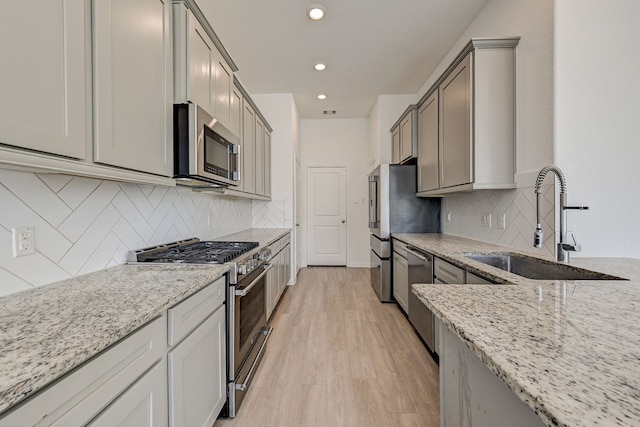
(327, 216)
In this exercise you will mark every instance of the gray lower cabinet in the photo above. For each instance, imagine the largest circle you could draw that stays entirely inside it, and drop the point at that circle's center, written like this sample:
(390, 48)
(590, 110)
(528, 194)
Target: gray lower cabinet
(280, 273)
(197, 380)
(128, 385)
(197, 358)
(78, 398)
(471, 394)
(400, 275)
(144, 404)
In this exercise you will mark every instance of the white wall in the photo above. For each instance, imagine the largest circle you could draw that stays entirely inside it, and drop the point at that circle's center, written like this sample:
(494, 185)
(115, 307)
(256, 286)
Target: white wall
(343, 142)
(385, 112)
(597, 124)
(84, 225)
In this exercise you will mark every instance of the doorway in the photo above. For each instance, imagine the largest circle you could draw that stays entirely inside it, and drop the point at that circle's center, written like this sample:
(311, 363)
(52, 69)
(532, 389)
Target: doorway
(327, 216)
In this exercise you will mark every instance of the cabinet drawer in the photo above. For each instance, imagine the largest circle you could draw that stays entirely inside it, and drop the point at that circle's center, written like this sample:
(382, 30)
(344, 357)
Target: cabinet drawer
(447, 273)
(400, 248)
(79, 396)
(477, 280)
(188, 314)
(144, 404)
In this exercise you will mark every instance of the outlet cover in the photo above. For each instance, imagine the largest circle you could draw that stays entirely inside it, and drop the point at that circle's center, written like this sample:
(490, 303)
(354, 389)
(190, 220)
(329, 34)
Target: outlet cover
(485, 221)
(502, 221)
(24, 241)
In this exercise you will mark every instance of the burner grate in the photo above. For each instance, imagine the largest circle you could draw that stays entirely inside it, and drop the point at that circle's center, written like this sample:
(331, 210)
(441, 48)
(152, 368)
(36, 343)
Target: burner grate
(199, 252)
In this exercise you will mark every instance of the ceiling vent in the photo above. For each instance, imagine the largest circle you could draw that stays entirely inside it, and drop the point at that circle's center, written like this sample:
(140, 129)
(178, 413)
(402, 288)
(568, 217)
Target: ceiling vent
(329, 112)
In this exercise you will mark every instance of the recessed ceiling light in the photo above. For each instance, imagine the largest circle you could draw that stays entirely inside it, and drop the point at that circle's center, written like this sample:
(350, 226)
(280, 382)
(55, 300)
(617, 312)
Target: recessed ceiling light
(320, 66)
(322, 96)
(316, 12)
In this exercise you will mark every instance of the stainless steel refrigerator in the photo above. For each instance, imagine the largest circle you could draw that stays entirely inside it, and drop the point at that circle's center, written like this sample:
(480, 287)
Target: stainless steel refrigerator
(394, 208)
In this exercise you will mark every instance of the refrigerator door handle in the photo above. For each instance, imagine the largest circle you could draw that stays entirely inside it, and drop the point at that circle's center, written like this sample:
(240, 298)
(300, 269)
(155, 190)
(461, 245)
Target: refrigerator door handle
(374, 221)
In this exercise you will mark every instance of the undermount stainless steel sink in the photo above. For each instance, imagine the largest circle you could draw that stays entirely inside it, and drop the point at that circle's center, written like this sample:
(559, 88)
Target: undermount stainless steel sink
(536, 268)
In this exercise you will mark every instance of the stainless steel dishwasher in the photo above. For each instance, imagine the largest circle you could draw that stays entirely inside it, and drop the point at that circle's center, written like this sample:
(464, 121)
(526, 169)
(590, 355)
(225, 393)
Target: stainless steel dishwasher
(421, 271)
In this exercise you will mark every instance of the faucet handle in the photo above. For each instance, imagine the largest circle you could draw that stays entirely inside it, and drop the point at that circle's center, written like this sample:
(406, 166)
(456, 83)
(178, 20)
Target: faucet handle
(575, 247)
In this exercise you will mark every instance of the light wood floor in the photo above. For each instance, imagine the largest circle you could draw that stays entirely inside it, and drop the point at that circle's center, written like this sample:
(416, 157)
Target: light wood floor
(338, 357)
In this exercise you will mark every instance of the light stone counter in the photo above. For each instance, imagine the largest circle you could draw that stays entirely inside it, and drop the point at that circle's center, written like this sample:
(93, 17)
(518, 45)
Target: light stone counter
(48, 331)
(570, 350)
(264, 236)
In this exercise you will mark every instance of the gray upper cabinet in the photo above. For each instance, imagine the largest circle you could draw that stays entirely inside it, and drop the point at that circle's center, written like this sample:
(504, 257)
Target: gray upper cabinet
(428, 136)
(248, 150)
(259, 156)
(132, 85)
(202, 74)
(475, 104)
(455, 124)
(235, 125)
(395, 145)
(267, 162)
(404, 136)
(45, 76)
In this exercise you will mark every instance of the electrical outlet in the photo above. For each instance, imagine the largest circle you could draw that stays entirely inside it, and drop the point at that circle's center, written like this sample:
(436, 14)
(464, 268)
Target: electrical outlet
(486, 219)
(24, 241)
(502, 221)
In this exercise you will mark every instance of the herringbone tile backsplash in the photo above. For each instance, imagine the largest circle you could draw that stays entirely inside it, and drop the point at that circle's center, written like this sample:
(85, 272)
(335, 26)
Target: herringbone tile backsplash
(84, 225)
(519, 207)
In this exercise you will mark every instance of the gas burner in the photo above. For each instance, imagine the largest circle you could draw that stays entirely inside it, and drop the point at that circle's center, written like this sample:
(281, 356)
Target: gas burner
(208, 252)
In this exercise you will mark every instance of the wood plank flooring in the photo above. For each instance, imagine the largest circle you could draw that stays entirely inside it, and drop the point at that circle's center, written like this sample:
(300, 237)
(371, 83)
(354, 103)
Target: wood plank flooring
(338, 357)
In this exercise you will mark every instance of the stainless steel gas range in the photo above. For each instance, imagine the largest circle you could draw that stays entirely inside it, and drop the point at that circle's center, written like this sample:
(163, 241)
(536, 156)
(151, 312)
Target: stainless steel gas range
(247, 329)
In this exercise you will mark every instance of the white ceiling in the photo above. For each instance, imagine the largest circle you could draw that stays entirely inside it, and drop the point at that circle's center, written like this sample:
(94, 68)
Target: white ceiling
(371, 47)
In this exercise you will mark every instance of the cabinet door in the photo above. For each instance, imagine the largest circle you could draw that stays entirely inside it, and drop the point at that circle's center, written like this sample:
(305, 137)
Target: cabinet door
(268, 295)
(44, 69)
(395, 145)
(259, 153)
(248, 149)
(406, 138)
(401, 281)
(236, 128)
(200, 83)
(223, 85)
(455, 124)
(197, 375)
(133, 80)
(235, 120)
(267, 163)
(144, 404)
(428, 144)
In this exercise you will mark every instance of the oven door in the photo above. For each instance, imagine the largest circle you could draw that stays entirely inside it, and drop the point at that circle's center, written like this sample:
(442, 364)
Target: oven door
(250, 333)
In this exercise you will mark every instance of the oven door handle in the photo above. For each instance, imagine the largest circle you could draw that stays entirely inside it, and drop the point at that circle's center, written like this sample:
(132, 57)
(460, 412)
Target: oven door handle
(243, 292)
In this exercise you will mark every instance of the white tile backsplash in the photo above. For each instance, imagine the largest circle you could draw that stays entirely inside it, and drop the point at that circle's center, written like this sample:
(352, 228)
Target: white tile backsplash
(518, 205)
(83, 225)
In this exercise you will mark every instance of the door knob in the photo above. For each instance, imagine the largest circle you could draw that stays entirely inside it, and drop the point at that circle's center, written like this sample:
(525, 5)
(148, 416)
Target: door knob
(343, 221)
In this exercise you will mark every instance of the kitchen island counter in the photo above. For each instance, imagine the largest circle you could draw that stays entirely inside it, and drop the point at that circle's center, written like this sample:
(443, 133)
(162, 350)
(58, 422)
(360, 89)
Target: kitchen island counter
(48, 331)
(570, 350)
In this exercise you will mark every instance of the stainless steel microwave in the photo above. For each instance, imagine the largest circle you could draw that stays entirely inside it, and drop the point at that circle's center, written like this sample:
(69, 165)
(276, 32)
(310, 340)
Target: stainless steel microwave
(205, 152)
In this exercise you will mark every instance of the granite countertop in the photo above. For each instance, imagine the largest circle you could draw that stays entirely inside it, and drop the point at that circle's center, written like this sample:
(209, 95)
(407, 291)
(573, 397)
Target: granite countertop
(264, 236)
(47, 331)
(570, 350)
